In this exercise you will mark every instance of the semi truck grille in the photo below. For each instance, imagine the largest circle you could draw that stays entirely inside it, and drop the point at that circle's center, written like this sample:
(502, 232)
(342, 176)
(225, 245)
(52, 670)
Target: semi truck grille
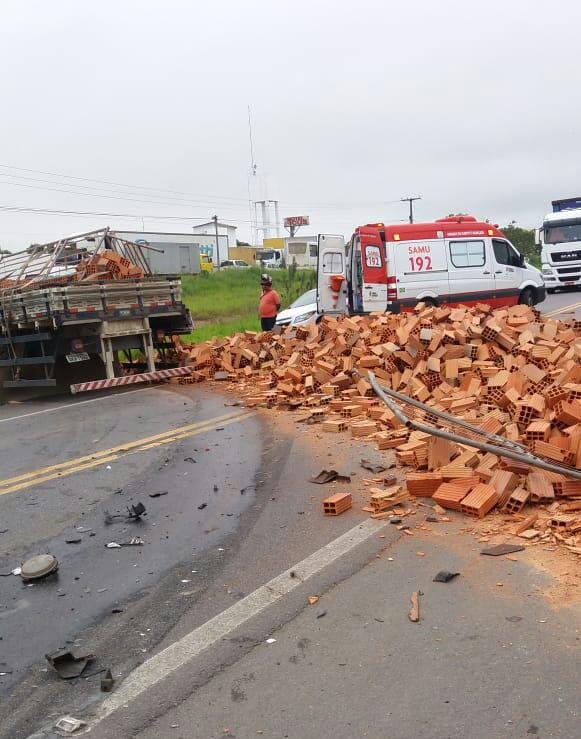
(568, 270)
(566, 256)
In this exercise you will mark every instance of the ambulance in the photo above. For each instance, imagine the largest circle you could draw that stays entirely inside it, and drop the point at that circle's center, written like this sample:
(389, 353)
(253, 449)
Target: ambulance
(452, 261)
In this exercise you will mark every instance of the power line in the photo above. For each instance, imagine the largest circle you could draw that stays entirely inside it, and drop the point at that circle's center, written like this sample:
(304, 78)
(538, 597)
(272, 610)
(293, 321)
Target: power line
(208, 198)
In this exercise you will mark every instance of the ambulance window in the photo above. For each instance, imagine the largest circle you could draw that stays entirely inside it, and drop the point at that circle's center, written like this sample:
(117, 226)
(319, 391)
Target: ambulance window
(332, 263)
(467, 253)
(504, 253)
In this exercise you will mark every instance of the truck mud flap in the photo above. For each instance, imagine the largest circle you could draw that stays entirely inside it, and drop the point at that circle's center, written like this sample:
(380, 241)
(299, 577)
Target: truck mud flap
(165, 374)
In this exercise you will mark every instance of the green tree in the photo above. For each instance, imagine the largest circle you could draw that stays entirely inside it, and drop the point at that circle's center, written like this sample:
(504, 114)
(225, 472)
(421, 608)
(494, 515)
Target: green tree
(524, 240)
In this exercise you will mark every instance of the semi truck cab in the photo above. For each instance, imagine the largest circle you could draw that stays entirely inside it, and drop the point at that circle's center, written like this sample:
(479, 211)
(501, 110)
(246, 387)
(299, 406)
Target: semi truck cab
(560, 241)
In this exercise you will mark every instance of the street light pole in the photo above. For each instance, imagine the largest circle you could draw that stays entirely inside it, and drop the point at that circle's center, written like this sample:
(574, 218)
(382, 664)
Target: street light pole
(410, 200)
(215, 219)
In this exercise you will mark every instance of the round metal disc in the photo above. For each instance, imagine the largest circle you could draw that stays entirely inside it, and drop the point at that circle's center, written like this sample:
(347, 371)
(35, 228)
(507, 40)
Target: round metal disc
(39, 566)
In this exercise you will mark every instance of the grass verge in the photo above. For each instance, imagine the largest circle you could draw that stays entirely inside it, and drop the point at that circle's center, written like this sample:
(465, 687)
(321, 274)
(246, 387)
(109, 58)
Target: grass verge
(227, 302)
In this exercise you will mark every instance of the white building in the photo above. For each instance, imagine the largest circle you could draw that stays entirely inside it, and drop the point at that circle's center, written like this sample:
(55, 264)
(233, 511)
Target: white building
(226, 239)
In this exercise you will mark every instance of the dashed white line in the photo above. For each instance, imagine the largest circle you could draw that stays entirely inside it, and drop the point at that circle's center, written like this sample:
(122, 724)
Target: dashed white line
(176, 655)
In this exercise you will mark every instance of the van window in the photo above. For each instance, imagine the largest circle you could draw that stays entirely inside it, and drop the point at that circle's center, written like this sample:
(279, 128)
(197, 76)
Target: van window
(504, 253)
(332, 263)
(467, 253)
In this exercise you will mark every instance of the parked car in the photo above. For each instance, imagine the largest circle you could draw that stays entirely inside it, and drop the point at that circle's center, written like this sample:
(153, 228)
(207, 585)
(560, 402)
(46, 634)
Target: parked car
(234, 264)
(303, 310)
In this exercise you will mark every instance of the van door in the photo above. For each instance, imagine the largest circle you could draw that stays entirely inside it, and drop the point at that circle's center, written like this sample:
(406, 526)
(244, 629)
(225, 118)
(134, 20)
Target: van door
(331, 275)
(471, 266)
(374, 271)
(421, 270)
(507, 272)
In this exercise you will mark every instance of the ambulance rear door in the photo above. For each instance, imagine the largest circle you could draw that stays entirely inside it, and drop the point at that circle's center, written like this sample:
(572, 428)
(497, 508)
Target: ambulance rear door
(374, 270)
(331, 275)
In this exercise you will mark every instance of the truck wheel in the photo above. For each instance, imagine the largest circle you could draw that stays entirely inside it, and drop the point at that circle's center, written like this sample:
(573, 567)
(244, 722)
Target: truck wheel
(527, 297)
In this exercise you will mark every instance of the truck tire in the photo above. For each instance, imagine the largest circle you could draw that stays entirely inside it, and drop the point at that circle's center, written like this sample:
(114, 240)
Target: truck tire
(527, 297)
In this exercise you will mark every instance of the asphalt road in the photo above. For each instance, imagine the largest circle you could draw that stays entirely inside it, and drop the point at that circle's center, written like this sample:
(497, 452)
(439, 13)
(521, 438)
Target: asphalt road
(230, 554)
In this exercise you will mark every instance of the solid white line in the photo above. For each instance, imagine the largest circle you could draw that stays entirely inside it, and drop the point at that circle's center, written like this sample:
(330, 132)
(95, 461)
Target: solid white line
(176, 655)
(73, 405)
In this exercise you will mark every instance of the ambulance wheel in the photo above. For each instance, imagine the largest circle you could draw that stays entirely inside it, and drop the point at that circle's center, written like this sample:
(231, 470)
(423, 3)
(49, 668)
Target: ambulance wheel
(429, 302)
(527, 297)
(551, 290)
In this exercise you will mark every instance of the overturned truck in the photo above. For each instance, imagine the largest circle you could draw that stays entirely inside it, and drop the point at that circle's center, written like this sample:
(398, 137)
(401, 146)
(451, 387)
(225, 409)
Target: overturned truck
(85, 312)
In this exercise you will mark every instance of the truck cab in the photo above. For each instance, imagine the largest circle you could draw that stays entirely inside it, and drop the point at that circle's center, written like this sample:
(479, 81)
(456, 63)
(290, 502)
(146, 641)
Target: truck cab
(560, 241)
(455, 260)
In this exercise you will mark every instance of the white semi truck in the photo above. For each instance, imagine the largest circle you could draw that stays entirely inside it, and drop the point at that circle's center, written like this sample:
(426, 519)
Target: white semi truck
(560, 241)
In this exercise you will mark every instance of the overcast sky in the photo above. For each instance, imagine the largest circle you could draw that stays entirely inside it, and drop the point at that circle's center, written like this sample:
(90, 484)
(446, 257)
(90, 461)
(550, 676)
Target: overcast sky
(474, 106)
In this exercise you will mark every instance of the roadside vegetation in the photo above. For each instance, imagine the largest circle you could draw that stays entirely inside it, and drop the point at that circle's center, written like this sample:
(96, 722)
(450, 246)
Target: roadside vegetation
(225, 302)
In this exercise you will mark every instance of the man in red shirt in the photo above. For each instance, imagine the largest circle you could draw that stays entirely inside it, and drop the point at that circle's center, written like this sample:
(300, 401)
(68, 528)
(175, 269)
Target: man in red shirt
(269, 304)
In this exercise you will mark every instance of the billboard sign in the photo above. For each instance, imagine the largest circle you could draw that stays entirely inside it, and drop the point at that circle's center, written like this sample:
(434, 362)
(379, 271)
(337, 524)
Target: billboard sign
(296, 221)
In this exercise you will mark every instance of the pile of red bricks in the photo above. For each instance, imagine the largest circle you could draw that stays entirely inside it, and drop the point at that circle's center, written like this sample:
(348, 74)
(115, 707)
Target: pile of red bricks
(510, 372)
(107, 265)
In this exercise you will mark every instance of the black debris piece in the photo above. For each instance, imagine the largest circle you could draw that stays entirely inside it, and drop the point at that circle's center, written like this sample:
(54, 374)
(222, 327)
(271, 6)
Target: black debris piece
(136, 511)
(202, 506)
(445, 576)
(321, 614)
(431, 519)
(395, 520)
(500, 549)
(326, 476)
(191, 460)
(69, 664)
(158, 495)
(107, 682)
(514, 619)
(215, 488)
(73, 541)
(372, 466)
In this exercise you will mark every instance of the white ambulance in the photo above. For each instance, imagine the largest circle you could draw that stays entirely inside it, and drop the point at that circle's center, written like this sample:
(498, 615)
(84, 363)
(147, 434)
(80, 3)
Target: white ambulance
(452, 261)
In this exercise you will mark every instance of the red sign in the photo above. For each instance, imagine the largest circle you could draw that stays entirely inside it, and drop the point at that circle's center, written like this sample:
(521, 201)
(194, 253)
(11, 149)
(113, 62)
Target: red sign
(296, 221)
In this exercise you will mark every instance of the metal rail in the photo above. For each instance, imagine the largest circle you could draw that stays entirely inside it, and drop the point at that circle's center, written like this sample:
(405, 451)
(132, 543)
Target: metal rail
(389, 396)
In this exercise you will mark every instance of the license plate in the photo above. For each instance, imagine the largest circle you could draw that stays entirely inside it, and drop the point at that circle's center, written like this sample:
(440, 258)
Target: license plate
(78, 357)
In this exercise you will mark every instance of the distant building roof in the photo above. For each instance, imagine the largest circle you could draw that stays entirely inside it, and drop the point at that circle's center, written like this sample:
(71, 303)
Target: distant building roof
(211, 223)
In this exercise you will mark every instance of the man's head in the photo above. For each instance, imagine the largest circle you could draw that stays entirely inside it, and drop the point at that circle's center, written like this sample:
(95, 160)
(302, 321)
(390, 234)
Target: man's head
(265, 281)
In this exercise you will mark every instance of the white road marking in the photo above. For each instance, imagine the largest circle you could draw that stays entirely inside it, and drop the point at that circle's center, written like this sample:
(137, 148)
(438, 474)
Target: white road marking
(176, 655)
(73, 405)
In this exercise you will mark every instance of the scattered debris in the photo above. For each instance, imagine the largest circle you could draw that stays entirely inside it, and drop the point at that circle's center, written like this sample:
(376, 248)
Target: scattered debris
(202, 506)
(136, 511)
(158, 495)
(326, 476)
(69, 724)
(500, 549)
(270, 641)
(513, 619)
(312, 599)
(445, 576)
(321, 614)
(191, 460)
(38, 567)
(395, 520)
(372, 467)
(69, 664)
(414, 614)
(135, 541)
(107, 682)
(74, 541)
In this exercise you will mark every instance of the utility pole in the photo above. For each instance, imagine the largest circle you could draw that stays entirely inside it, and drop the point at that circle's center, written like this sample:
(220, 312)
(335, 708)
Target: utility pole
(215, 219)
(410, 200)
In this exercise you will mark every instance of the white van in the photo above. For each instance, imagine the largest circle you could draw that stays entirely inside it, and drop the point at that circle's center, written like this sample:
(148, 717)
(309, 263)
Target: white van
(452, 261)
